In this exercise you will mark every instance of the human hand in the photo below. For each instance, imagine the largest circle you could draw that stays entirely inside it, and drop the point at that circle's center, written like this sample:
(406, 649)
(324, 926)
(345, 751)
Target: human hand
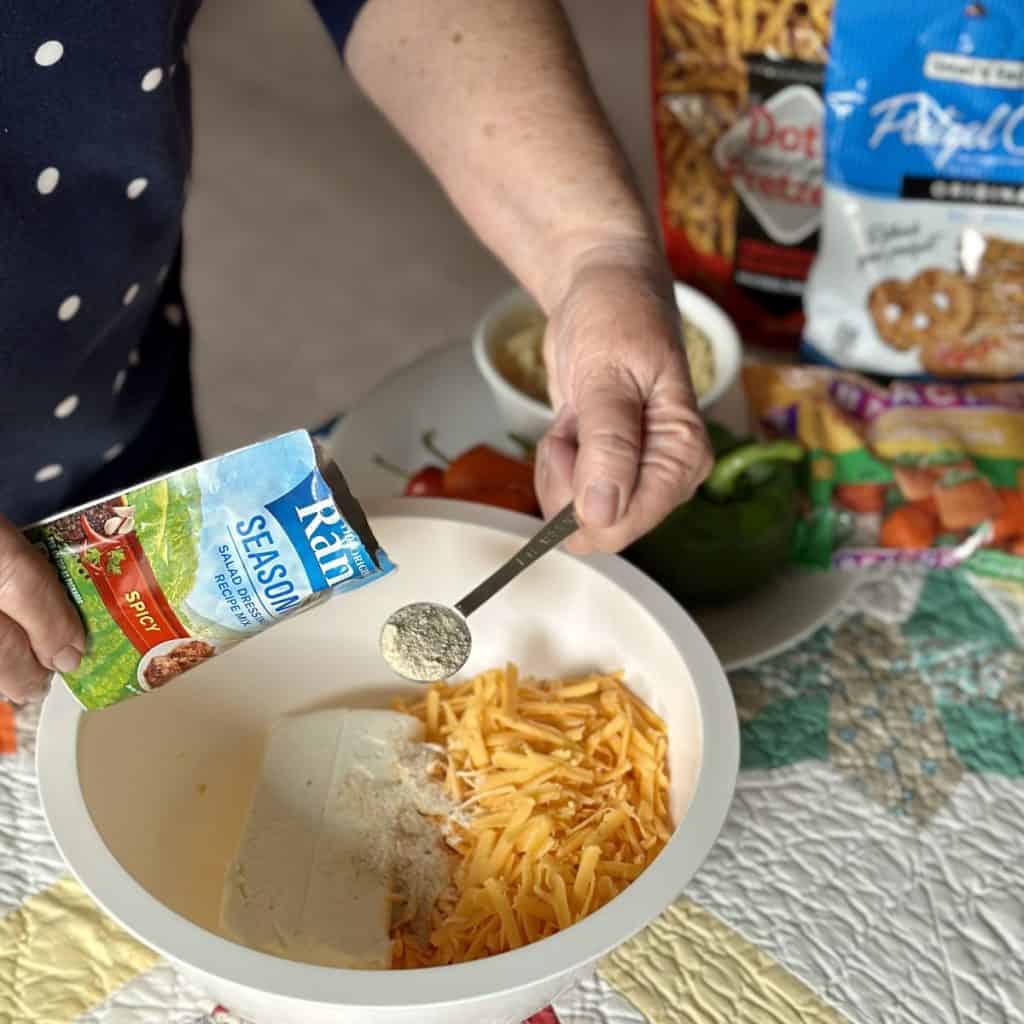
(628, 444)
(40, 632)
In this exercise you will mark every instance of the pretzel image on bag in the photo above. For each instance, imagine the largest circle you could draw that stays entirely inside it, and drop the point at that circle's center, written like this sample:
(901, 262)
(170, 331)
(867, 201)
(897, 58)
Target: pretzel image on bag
(738, 117)
(920, 266)
(934, 305)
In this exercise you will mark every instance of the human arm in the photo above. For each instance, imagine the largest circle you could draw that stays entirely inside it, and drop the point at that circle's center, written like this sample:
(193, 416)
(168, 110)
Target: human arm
(493, 96)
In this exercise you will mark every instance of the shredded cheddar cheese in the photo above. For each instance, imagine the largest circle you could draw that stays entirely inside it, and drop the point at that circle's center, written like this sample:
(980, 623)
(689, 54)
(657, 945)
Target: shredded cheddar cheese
(563, 788)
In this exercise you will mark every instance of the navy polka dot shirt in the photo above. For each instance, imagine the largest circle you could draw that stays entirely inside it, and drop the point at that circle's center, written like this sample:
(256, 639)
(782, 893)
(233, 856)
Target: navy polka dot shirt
(95, 146)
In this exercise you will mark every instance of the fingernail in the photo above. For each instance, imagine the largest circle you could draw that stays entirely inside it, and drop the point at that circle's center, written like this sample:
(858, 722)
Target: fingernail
(67, 660)
(601, 504)
(543, 470)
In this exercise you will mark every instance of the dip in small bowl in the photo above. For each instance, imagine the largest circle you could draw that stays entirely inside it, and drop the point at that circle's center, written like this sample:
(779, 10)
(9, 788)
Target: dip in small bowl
(507, 348)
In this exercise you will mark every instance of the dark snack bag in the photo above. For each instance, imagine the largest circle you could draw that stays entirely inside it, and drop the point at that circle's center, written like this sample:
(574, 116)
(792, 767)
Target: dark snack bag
(738, 120)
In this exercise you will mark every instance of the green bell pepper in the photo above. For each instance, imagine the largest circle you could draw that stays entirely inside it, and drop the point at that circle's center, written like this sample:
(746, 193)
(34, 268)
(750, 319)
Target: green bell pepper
(735, 534)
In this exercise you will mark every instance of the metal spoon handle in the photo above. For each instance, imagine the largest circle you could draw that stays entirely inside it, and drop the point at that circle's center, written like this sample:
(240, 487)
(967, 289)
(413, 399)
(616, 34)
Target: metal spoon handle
(550, 535)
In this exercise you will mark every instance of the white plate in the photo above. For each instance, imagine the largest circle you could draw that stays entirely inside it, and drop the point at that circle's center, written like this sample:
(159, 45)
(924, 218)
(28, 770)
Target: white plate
(767, 622)
(443, 392)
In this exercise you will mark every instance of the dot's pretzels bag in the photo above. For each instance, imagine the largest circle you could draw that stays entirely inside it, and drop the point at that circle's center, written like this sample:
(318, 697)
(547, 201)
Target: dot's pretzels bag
(181, 568)
(738, 116)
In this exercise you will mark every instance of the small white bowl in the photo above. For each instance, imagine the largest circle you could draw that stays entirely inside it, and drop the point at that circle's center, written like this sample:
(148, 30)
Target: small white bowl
(146, 799)
(529, 418)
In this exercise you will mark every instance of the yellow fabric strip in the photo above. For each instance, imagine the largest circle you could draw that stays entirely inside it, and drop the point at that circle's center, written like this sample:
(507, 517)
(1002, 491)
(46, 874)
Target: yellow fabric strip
(60, 955)
(688, 966)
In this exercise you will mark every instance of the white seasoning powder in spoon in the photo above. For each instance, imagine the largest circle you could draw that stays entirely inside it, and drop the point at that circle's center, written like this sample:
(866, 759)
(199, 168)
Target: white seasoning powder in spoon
(425, 642)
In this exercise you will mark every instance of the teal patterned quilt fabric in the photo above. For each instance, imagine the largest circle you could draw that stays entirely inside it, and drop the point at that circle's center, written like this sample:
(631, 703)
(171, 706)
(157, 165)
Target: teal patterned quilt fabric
(875, 846)
(901, 708)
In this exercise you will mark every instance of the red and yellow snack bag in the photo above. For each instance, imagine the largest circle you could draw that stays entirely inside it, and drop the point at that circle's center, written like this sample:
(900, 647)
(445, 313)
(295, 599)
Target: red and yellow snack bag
(738, 117)
(912, 472)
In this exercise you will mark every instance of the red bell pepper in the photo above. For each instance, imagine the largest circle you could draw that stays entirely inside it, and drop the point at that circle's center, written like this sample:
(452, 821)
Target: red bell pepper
(426, 483)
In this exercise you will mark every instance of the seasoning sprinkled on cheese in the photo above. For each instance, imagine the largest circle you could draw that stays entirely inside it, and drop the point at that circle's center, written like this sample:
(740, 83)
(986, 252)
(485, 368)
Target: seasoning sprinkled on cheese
(343, 841)
(563, 791)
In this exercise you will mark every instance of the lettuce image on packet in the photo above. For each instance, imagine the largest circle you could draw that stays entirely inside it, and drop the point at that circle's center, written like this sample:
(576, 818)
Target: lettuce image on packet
(178, 569)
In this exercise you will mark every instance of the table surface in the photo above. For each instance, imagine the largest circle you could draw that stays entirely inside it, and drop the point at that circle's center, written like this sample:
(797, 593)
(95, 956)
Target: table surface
(871, 870)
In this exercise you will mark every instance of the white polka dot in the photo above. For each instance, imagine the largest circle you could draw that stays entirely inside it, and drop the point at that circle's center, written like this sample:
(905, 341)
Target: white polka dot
(151, 79)
(69, 307)
(49, 53)
(174, 314)
(119, 378)
(136, 187)
(50, 472)
(164, 271)
(129, 296)
(65, 407)
(174, 67)
(133, 357)
(112, 452)
(47, 180)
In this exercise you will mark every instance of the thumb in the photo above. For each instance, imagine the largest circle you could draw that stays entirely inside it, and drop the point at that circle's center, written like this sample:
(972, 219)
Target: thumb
(609, 409)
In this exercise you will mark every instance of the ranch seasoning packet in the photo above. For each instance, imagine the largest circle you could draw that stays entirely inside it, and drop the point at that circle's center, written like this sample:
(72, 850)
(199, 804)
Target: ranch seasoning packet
(181, 568)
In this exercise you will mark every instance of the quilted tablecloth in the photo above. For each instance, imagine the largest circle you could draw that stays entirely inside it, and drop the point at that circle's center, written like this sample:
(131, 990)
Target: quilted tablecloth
(871, 870)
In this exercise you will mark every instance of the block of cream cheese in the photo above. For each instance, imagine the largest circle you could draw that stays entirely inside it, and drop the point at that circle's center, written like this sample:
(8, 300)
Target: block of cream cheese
(313, 877)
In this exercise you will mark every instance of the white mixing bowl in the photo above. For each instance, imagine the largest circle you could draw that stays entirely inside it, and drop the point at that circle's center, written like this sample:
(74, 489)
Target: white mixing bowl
(530, 418)
(147, 799)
